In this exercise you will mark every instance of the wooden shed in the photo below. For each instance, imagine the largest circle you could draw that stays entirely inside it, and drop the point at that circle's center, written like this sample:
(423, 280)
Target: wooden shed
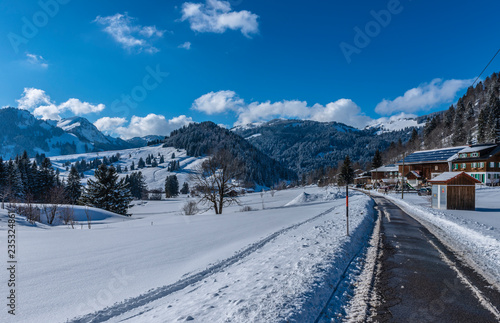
(454, 191)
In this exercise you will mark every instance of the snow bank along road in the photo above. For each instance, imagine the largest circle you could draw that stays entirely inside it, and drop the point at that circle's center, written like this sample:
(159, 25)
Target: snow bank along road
(272, 264)
(287, 276)
(421, 280)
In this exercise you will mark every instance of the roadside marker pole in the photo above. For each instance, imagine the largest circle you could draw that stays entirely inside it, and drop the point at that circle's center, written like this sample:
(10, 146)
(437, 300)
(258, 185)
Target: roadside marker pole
(347, 206)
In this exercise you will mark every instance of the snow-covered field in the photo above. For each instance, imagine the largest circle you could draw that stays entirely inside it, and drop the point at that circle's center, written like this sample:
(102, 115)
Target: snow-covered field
(475, 235)
(154, 176)
(270, 264)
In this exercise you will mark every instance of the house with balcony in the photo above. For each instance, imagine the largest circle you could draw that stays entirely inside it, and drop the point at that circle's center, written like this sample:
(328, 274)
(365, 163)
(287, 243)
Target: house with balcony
(481, 162)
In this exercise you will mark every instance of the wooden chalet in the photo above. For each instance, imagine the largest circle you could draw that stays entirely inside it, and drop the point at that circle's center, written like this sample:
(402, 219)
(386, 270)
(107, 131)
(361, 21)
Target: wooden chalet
(429, 163)
(454, 191)
(481, 162)
(387, 174)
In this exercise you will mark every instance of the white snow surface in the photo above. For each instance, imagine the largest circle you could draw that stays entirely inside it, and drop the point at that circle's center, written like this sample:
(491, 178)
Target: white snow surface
(474, 235)
(273, 264)
(154, 176)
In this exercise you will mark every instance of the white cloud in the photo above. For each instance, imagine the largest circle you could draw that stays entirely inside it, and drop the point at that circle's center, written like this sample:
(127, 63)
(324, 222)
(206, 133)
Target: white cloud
(36, 60)
(218, 102)
(424, 97)
(217, 16)
(343, 110)
(131, 36)
(186, 45)
(152, 124)
(41, 105)
(108, 124)
(78, 107)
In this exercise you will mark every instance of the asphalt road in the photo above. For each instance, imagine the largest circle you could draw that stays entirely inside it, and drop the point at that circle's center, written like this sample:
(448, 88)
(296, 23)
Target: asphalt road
(423, 281)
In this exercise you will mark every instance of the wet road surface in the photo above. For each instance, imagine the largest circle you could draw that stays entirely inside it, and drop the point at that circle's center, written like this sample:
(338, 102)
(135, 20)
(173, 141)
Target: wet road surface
(423, 281)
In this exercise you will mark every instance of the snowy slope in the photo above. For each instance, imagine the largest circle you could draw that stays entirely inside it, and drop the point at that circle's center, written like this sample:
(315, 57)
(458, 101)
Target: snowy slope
(155, 176)
(394, 123)
(258, 266)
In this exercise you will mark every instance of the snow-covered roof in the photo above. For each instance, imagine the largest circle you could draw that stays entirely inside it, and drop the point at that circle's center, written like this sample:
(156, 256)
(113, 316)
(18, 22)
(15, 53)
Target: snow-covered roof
(417, 175)
(435, 155)
(386, 168)
(447, 176)
(473, 149)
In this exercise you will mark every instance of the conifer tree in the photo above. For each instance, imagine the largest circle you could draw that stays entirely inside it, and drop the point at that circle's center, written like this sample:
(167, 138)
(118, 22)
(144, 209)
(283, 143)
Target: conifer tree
(137, 184)
(346, 175)
(377, 160)
(185, 188)
(107, 192)
(171, 186)
(73, 186)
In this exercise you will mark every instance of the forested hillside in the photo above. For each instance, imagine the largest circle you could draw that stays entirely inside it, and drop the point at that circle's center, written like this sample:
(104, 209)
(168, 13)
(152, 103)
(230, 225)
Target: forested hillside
(206, 137)
(475, 118)
(305, 146)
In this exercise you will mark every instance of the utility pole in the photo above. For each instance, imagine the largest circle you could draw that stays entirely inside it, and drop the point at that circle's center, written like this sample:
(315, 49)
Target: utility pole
(403, 178)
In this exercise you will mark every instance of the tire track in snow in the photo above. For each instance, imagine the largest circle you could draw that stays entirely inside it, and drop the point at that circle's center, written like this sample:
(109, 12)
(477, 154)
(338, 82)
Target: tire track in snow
(160, 292)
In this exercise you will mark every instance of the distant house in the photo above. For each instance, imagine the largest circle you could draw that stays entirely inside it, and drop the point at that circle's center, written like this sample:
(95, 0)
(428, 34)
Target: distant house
(454, 191)
(429, 163)
(481, 162)
(386, 174)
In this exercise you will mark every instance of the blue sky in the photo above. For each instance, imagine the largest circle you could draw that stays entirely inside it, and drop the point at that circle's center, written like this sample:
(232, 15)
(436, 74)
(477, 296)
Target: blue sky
(147, 67)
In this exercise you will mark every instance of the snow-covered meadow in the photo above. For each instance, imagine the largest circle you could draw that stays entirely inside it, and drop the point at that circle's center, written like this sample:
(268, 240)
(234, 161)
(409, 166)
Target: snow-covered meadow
(154, 176)
(279, 261)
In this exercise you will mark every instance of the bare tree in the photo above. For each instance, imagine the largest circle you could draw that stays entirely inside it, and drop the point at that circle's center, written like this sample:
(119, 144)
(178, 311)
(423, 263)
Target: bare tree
(55, 197)
(67, 216)
(216, 179)
(89, 216)
(190, 208)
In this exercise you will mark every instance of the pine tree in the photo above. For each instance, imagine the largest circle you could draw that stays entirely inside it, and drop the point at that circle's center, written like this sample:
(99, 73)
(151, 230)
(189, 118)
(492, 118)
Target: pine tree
(185, 188)
(132, 167)
(47, 177)
(171, 186)
(73, 186)
(14, 183)
(141, 163)
(377, 160)
(346, 175)
(493, 119)
(137, 184)
(173, 156)
(107, 192)
(481, 126)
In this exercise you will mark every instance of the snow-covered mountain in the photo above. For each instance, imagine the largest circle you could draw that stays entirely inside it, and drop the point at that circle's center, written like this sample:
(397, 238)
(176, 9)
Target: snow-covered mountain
(396, 123)
(305, 145)
(20, 131)
(143, 141)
